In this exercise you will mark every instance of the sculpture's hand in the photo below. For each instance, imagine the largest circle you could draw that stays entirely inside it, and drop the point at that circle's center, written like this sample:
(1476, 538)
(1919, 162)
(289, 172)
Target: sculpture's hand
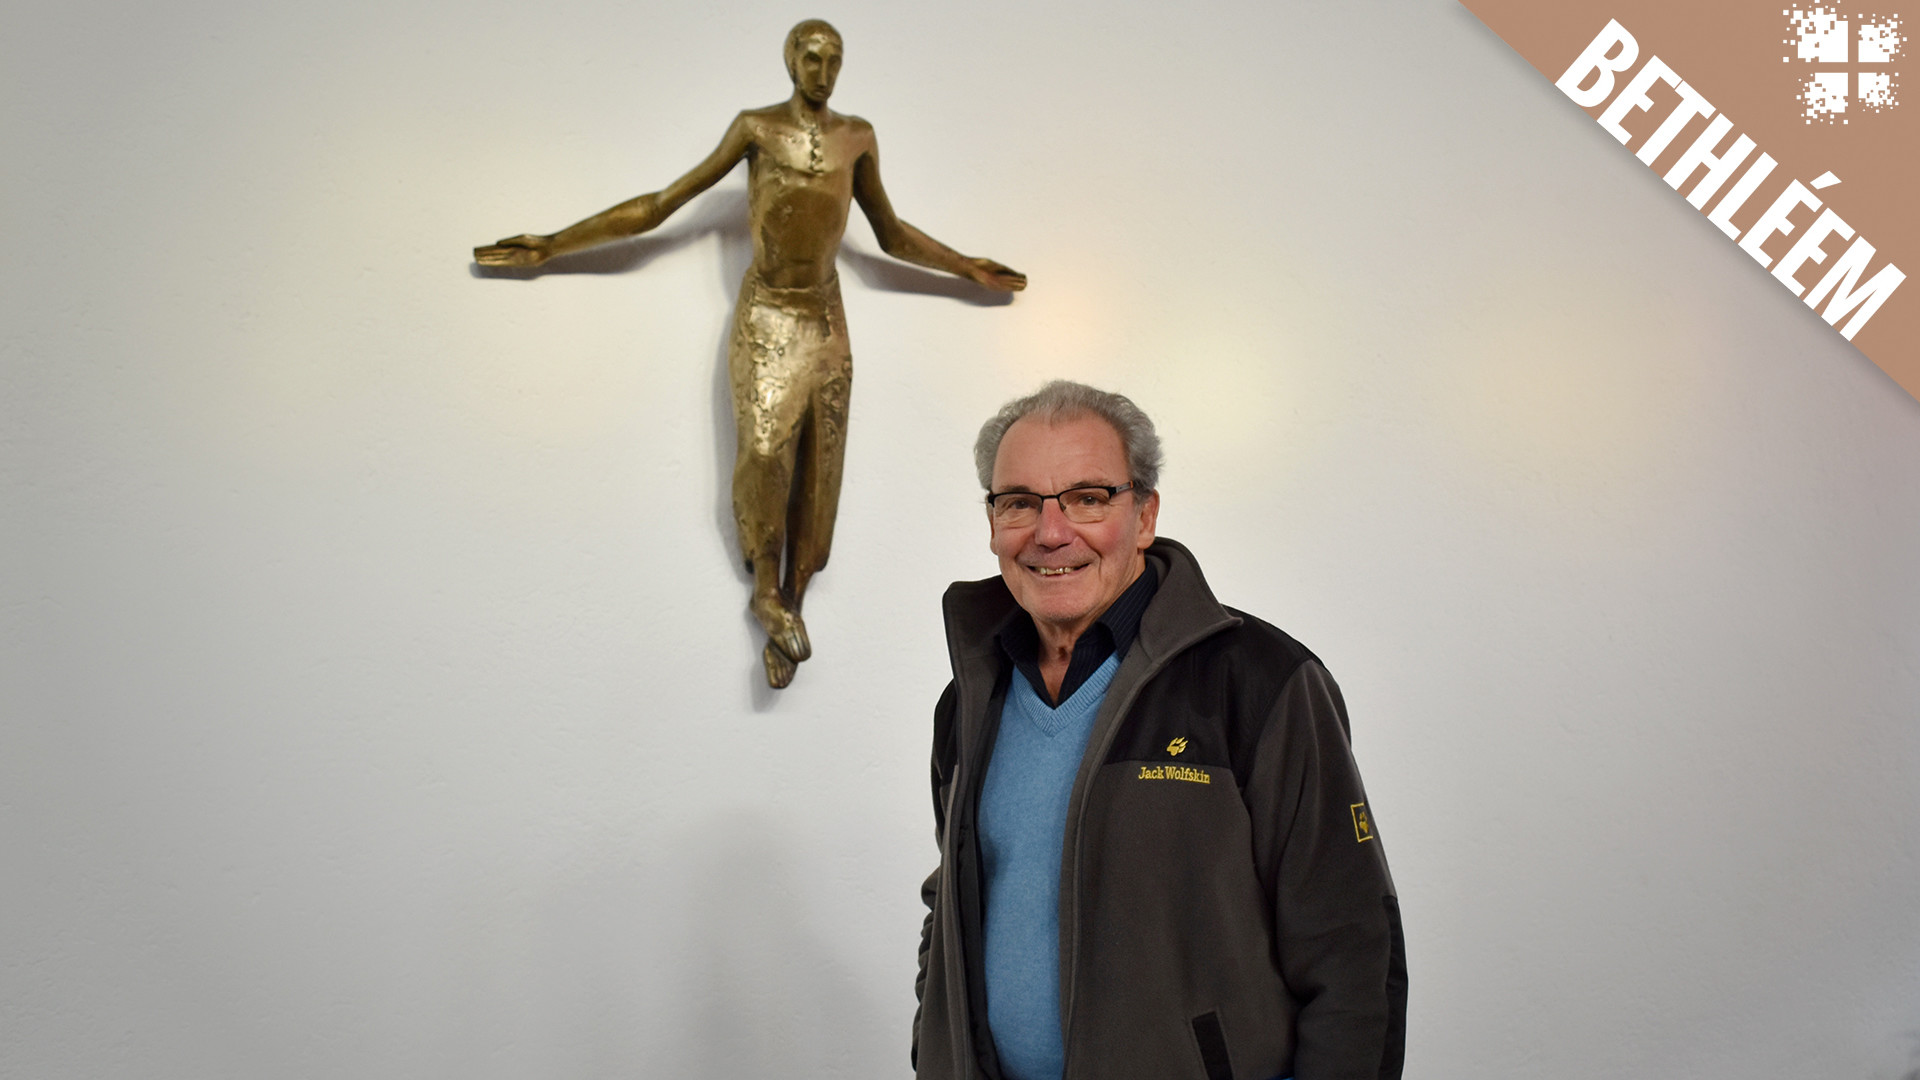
(523, 250)
(995, 276)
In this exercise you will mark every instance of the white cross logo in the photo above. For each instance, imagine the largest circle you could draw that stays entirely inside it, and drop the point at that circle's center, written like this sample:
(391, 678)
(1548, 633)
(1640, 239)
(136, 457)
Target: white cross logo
(1820, 36)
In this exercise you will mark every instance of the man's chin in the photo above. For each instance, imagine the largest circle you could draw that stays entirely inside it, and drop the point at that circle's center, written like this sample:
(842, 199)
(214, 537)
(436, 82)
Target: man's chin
(1058, 607)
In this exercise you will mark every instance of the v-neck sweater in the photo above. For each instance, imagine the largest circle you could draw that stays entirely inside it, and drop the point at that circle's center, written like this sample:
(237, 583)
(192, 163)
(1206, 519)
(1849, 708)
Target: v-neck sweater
(1023, 821)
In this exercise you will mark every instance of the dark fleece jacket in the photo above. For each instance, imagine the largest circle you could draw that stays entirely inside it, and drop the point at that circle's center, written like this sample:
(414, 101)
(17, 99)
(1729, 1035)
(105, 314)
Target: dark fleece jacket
(1225, 906)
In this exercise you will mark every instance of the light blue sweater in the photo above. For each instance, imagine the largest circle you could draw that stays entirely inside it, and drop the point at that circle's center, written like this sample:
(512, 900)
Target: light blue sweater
(1023, 822)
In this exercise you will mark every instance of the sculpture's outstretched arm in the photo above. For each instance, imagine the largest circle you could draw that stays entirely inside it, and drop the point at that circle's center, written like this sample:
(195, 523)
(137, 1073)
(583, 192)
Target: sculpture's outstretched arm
(904, 242)
(630, 218)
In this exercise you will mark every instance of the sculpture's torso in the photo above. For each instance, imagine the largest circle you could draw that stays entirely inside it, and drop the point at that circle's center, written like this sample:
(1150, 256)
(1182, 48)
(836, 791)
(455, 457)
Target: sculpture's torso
(799, 186)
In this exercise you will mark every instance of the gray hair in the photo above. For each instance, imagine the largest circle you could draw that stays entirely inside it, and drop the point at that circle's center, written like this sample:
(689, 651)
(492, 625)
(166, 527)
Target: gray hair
(1062, 399)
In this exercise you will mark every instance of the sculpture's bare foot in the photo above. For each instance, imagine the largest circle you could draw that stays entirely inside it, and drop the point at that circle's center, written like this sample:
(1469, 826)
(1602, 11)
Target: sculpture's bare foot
(784, 629)
(780, 666)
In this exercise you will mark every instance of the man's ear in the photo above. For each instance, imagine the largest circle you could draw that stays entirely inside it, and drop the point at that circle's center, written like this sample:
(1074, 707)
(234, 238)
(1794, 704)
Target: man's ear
(1149, 515)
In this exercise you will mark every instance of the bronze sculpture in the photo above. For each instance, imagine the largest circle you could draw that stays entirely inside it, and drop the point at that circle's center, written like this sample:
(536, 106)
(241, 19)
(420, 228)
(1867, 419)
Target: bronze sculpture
(788, 358)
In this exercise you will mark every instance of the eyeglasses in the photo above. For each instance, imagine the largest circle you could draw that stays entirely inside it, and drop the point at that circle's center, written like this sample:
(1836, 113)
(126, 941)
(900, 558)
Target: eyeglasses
(1082, 505)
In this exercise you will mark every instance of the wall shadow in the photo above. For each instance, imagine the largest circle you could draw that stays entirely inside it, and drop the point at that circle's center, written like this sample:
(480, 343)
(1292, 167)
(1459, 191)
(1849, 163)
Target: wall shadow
(885, 274)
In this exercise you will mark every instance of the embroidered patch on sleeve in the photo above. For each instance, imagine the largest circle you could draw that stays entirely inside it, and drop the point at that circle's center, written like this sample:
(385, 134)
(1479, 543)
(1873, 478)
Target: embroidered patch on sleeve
(1362, 824)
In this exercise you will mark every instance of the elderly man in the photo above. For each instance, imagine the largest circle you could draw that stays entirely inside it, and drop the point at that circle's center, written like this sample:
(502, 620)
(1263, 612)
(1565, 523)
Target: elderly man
(1156, 855)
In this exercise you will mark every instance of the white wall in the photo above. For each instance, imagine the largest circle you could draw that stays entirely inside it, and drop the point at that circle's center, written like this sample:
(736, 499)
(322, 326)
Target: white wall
(379, 696)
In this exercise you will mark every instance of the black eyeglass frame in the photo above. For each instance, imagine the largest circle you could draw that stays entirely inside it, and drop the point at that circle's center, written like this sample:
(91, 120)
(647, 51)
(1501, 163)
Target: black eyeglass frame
(1110, 489)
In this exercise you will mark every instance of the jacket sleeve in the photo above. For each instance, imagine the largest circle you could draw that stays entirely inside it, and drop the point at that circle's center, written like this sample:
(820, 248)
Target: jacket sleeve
(943, 759)
(1336, 915)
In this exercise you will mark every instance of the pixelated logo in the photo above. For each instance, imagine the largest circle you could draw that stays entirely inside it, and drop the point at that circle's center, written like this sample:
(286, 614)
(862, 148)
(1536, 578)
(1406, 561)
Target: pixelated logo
(1362, 824)
(1852, 54)
(1176, 746)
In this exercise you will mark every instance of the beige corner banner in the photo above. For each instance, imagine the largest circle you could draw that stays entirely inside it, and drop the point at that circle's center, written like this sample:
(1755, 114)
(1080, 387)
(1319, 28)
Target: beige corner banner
(1782, 121)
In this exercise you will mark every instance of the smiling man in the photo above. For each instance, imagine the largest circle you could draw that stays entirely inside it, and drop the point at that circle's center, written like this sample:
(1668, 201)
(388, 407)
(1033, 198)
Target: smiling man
(1156, 856)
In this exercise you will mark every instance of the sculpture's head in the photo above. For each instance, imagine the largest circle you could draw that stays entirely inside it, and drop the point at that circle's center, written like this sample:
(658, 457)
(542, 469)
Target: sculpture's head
(813, 59)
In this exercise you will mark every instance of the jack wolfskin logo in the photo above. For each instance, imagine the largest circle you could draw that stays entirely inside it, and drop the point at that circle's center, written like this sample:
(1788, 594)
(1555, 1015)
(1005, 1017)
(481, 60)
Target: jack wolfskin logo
(1850, 55)
(1362, 824)
(1177, 745)
(1175, 772)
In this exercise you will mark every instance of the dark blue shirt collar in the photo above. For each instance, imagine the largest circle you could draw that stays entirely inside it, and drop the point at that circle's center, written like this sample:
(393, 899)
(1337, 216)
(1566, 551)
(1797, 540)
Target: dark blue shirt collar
(1111, 634)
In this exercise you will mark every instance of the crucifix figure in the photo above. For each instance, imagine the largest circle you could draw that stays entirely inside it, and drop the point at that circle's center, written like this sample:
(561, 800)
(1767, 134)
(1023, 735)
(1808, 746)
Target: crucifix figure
(788, 358)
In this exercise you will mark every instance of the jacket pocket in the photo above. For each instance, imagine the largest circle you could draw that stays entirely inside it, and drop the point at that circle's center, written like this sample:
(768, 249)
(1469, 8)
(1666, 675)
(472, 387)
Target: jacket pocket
(1213, 1046)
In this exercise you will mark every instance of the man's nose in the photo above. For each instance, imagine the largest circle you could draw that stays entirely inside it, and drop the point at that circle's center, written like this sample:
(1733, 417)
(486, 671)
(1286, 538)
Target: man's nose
(1053, 528)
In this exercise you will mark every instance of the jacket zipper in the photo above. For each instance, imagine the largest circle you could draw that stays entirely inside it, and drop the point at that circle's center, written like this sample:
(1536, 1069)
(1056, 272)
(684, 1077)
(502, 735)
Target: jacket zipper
(1070, 965)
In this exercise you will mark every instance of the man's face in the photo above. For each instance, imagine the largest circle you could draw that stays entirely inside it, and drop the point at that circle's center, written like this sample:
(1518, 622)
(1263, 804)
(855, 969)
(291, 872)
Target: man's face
(1065, 574)
(815, 65)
